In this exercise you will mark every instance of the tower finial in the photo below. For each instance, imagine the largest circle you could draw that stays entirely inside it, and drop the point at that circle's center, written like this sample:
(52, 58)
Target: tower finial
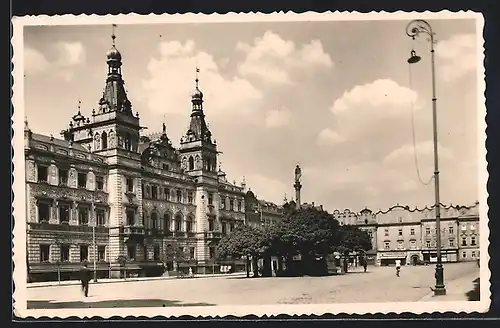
(113, 36)
(197, 79)
(79, 106)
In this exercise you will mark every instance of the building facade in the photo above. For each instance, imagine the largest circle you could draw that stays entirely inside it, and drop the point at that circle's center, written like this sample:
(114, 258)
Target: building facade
(108, 195)
(409, 235)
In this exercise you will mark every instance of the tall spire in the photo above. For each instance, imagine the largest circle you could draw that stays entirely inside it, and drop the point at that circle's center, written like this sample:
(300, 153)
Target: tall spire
(198, 129)
(114, 96)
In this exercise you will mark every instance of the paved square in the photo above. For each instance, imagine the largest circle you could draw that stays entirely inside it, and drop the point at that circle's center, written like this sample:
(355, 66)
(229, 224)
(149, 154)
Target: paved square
(379, 284)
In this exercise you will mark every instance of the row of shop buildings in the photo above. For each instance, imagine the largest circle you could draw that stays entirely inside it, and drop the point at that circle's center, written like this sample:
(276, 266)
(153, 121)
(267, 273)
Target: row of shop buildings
(409, 234)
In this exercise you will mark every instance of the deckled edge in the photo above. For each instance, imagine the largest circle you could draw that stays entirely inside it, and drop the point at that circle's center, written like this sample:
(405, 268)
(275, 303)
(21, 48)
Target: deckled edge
(261, 311)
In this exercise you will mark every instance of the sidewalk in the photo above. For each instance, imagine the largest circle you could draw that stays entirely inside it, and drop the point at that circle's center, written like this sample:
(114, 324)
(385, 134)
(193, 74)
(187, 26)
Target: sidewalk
(456, 290)
(110, 281)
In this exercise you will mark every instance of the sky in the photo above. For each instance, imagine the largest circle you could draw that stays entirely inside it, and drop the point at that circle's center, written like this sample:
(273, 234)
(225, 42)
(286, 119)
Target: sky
(335, 97)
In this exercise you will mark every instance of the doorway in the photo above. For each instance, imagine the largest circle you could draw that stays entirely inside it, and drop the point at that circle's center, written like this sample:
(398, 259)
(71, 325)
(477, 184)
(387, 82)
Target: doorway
(414, 259)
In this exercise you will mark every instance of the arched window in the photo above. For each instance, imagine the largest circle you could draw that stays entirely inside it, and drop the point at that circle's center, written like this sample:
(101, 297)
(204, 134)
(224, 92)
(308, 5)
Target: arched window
(191, 163)
(178, 222)
(104, 140)
(154, 220)
(166, 222)
(128, 141)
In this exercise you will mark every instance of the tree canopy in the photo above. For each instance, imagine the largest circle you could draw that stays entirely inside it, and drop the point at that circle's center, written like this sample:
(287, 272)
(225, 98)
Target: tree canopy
(244, 240)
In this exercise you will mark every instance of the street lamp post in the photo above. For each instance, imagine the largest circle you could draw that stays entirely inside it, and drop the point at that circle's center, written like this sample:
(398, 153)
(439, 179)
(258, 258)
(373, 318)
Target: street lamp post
(414, 29)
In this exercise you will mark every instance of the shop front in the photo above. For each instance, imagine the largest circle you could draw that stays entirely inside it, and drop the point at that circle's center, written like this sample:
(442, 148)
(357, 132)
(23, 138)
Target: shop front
(389, 258)
(430, 256)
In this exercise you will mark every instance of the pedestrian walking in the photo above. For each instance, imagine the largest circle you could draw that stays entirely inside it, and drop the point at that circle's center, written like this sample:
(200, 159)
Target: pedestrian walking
(190, 272)
(364, 262)
(398, 267)
(85, 279)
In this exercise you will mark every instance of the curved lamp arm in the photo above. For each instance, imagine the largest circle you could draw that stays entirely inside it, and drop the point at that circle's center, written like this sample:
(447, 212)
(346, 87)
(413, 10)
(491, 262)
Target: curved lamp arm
(417, 26)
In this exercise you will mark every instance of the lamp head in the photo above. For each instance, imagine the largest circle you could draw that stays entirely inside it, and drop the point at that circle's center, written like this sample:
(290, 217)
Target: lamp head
(414, 58)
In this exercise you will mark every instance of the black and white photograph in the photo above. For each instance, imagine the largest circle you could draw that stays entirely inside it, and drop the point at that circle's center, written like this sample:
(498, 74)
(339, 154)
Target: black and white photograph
(249, 164)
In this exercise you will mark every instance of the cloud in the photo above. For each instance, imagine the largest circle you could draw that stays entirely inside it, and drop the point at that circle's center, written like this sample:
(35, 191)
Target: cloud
(459, 57)
(384, 94)
(34, 61)
(278, 117)
(67, 56)
(267, 188)
(170, 83)
(272, 59)
(422, 149)
(328, 137)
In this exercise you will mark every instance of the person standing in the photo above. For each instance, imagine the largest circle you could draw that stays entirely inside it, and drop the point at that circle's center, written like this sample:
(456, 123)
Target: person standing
(398, 267)
(364, 262)
(85, 279)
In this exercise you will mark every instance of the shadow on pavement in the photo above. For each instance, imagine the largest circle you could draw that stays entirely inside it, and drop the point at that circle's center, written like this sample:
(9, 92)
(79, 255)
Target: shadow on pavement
(44, 304)
(473, 295)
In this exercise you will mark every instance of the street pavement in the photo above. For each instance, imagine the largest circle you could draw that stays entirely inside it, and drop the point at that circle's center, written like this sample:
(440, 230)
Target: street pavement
(379, 284)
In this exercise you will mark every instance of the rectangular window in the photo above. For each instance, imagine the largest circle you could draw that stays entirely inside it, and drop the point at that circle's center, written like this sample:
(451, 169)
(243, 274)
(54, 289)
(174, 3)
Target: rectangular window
(83, 216)
(63, 177)
(464, 241)
(212, 252)
(222, 203)
(452, 243)
(165, 167)
(191, 253)
(190, 197)
(43, 212)
(400, 232)
(178, 225)
(473, 241)
(101, 253)
(386, 232)
(428, 243)
(166, 192)
(131, 252)
(189, 225)
(154, 192)
(387, 245)
(130, 217)
(412, 231)
(64, 253)
(64, 212)
(179, 196)
(231, 205)
(44, 253)
(84, 253)
(464, 255)
(427, 231)
(413, 244)
(450, 230)
(100, 217)
(210, 225)
(400, 244)
(43, 174)
(473, 254)
(99, 182)
(156, 253)
(210, 199)
(130, 184)
(82, 180)
(224, 229)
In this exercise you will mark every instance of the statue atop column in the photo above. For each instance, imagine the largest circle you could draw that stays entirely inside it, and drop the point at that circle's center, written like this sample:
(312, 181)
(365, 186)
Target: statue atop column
(298, 185)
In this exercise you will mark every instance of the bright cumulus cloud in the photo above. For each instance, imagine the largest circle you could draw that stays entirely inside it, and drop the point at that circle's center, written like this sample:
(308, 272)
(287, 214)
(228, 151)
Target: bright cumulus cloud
(384, 94)
(328, 137)
(68, 55)
(273, 59)
(171, 82)
(422, 149)
(458, 55)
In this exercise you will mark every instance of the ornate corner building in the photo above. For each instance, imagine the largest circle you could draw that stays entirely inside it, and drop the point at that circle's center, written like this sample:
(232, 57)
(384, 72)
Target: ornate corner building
(105, 192)
(410, 234)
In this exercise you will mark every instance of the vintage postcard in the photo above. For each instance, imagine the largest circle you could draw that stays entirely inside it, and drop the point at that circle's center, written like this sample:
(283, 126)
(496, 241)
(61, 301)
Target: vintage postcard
(265, 164)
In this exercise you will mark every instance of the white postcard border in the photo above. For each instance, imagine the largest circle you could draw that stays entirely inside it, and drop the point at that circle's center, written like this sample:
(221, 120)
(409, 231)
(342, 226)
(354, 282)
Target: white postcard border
(19, 231)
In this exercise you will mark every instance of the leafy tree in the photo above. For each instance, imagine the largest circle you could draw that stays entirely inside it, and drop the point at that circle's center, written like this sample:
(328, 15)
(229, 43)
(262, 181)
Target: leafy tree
(354, 239)
(313, 234)
(245, 241)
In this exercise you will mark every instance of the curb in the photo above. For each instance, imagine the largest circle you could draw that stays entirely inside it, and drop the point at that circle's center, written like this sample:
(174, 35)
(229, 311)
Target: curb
(104, 281)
